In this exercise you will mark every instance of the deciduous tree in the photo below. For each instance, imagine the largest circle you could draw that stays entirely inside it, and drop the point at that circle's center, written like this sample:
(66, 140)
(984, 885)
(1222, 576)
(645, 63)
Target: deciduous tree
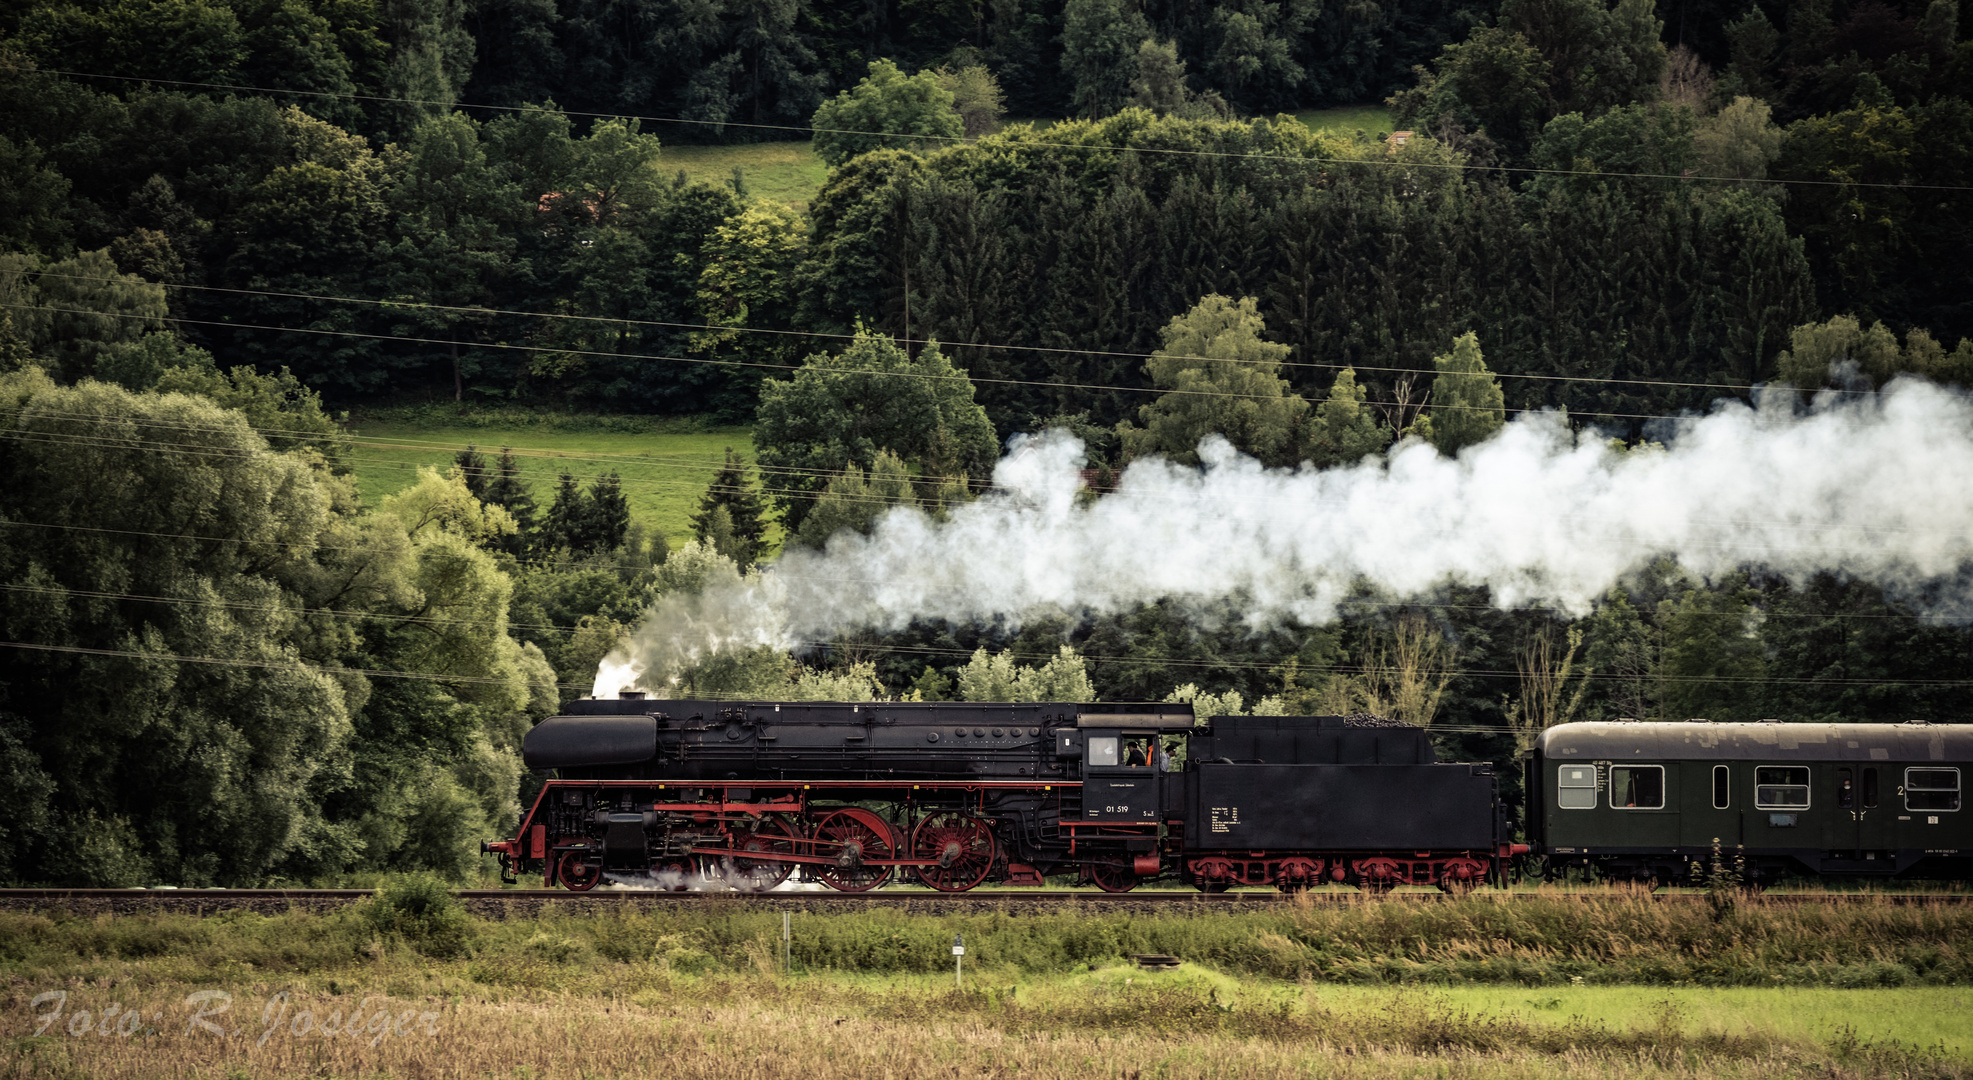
(887, 109)
(841, 410)
(1221, 377)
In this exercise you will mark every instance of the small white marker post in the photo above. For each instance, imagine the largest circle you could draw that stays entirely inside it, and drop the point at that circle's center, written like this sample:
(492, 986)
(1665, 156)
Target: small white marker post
(958, 956)
(787, 937)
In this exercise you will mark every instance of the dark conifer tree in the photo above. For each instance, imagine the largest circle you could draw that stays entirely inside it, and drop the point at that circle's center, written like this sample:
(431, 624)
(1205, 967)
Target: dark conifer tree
(508, 491)
(566, 524)
(606, 516)
(472, 466)
(746, 511)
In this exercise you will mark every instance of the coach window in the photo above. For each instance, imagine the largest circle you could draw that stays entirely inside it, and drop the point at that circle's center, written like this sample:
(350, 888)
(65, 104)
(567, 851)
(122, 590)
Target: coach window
(1575, 787)
(1722, 787)
(1103, 750)
(1637, 787)
(1870, 789)
(1846, 792)
(1781, 787)
(1931, 789)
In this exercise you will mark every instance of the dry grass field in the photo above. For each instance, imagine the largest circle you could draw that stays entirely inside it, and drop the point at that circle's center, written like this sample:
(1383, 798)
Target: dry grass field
(411, 986)
(828, 1028)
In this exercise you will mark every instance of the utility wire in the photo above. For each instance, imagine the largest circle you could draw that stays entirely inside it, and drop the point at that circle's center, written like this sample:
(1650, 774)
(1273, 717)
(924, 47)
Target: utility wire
(321, 669)
(1351, 603)
(491, 681)
(961, 376)
(1867, 531)
(1114, 354)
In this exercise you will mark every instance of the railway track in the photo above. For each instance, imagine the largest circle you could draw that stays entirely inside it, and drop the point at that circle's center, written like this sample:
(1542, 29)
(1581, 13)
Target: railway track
(524, 902)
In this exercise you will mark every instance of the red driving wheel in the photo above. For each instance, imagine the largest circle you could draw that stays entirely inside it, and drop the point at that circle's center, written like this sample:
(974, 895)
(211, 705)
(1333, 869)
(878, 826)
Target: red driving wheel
(850, 837)
(959, 845)
(773, 837)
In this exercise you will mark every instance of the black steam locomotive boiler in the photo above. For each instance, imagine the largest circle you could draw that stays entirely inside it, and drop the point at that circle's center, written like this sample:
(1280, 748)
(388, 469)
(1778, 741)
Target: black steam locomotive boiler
(954, 795)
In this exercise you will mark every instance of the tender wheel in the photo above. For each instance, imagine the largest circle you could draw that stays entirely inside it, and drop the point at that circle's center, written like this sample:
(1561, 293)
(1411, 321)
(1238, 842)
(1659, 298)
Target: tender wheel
(1376, 886)
(1111, 877)
(962, 847)
(576, 873)
(851, 836)
(759, 875)
(1213, 887)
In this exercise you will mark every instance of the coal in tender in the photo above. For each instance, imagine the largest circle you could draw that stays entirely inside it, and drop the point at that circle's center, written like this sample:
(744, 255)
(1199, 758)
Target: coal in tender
(1372, 720)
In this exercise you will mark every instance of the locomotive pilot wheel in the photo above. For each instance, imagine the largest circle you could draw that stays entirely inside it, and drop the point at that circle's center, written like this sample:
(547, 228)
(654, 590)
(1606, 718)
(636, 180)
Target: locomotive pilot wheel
(959, 845)
(849, 837)
(576, 872)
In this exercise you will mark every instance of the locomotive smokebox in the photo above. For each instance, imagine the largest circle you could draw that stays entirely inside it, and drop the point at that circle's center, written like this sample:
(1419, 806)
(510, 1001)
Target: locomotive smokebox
(562, 742)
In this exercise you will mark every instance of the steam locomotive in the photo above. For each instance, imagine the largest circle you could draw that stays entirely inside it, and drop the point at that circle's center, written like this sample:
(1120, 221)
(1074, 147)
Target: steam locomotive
(951, 796)
(954, 795)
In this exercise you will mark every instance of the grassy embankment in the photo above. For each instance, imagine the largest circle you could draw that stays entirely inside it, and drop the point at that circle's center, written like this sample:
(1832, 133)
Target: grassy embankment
(665, 465)
(1482, 988)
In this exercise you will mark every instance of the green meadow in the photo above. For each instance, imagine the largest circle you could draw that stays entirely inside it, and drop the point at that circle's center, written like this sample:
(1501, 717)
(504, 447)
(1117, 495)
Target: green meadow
(1372, 120)
(665, 469)
(783, 172)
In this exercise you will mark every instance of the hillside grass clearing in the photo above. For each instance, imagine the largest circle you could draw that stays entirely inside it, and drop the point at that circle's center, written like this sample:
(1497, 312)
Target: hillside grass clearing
(783, 172)
(1372, 120)
(664, 472)
(789, 172)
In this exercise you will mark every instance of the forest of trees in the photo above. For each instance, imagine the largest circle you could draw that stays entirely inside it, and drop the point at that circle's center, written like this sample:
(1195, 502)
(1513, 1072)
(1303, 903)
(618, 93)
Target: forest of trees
(224, 221)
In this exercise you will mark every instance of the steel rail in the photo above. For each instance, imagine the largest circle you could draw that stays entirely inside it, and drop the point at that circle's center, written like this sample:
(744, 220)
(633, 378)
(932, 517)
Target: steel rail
(1037, 897)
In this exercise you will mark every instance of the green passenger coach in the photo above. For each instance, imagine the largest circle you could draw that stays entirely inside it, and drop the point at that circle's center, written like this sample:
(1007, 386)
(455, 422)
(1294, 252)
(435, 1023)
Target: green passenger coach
(1648, 802)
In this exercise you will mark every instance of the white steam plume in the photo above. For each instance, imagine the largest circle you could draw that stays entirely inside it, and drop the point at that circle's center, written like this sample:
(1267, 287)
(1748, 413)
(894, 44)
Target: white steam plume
(1873, 486)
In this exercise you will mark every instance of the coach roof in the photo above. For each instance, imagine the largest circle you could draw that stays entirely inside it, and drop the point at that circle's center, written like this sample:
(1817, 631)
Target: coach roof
(1699, 740)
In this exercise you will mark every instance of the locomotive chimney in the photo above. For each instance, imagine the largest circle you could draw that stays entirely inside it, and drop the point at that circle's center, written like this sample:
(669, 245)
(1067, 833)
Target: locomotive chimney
(628, 694)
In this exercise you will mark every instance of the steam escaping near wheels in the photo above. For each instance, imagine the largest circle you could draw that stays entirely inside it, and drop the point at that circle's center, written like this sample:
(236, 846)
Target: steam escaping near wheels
(1869, 485)
(709, 879)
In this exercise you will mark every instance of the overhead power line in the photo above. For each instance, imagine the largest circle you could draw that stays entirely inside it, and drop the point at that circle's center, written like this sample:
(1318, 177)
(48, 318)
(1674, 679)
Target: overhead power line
(510, 347)
(1108, 354)
(482, 680)
(1814, 530)
(273, 665)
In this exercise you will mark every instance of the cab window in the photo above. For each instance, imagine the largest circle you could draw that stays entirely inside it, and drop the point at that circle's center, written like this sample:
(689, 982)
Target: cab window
(1637, 787)
(1575, 787)
(1103, 750)
(1931, 789)
(1781, 787)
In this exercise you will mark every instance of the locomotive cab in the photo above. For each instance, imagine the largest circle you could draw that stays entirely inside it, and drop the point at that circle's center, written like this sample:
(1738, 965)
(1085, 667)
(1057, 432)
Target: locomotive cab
(1126, 796)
